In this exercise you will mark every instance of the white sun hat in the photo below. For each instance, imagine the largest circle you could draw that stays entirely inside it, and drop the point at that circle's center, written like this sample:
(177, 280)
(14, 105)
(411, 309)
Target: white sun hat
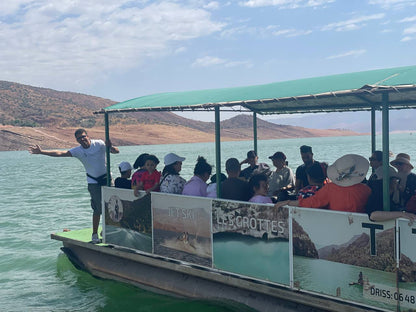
(171, 158)
(348, 170)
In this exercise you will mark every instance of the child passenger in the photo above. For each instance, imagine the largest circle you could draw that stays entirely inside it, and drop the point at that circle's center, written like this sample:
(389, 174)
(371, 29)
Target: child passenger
(149, 180)
(259, 186)
(125, 171)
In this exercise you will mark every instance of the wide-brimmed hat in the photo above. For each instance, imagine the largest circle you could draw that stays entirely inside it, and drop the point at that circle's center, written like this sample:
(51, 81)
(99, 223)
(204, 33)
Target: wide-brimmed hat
(402, 158)
(348, 170)
(171, 158)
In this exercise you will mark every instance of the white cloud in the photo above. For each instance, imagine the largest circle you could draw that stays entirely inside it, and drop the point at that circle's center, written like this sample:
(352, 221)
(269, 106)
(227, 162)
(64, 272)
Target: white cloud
(354, 53)
(291, 32)
(209, 61)
(408, 19)
(409, 34)
(213, 5)
(285, 4)
(70, 43)
(352, 24)
(393, 4)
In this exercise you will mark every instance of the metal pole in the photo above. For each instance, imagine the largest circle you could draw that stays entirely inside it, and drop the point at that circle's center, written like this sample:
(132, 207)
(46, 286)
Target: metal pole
(255, 131)
(385, 133)
(107, 149)
(218, 150)
(373, 129)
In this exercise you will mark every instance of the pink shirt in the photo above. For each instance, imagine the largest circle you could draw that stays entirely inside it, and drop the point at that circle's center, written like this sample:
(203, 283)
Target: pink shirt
(195, 187)
(149, 180)
(261, 199)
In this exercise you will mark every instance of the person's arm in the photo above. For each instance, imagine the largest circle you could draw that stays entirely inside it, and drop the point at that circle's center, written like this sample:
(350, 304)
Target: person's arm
(113, 149)
(54, 153)
(379, 216)
(287, 202)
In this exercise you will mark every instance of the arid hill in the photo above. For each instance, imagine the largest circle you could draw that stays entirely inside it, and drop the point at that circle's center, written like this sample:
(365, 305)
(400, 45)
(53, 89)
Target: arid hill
(31, 115)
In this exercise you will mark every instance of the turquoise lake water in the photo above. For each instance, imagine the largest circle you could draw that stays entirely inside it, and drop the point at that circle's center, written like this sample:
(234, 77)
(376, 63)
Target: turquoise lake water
(41, 195)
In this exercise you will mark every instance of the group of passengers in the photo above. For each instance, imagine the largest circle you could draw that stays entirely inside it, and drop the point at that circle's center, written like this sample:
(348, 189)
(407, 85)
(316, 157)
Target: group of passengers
(341, 186)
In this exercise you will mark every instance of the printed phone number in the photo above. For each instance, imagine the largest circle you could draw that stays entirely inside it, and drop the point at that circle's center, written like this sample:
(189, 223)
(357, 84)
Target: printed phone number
(390, 295)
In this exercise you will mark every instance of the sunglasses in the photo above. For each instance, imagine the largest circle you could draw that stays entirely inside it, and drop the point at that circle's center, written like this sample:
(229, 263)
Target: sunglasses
(81, 137)
(371, 159)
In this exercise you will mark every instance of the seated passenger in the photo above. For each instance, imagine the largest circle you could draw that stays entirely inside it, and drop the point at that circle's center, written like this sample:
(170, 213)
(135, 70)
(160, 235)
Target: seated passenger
(149, 180)
(307, 158)
(197, 185)
(234, 187)
(124, 181)
(282, 178)
(316, 179)
(259, 188)
(346, 192)
(139, 165)
(212, 186)
(251, 159)
(171, 181)
(407, 183)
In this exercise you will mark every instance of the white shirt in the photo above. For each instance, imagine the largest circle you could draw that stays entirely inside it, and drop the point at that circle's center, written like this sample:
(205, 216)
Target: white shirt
(93, 159)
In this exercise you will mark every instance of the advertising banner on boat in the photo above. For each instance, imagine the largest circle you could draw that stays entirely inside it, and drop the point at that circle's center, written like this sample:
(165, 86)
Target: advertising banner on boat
(182, 228)
(127, 219)
(343, 254)
(251, 239)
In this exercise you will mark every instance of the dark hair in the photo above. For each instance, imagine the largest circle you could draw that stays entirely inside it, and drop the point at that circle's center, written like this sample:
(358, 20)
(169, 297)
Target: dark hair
(140, 160)
(80, 131)
(251, 154)
(232, 165)
(378, 155)
(316, 173)
(152, 158)
(202, 166)
(169, 169)
(214, 178)
(255, 180)
(305, 149)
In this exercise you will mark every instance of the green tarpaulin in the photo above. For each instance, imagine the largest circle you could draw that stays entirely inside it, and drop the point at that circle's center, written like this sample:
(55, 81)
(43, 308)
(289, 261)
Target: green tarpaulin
(344, 92)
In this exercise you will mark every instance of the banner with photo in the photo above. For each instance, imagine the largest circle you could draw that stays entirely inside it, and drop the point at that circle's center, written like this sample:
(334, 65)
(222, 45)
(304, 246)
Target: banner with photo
(407, 266)
(343, 254)
(251, 239)
(127, 219)
(182, 228)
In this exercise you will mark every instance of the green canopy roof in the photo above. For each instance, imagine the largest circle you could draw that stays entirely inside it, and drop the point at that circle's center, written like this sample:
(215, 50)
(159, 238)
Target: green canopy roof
(344, 92)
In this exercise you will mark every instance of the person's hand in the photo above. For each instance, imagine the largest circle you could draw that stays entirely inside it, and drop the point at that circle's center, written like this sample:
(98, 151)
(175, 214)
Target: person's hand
(410, 216)
(35, 149)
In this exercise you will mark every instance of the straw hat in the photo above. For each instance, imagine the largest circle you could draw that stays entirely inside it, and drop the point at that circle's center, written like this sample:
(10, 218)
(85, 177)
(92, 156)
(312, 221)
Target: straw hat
(402, 158)
(348, 170)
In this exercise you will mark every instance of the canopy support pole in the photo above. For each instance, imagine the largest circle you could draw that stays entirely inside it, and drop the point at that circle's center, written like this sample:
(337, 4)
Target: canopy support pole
(218, 150)
(373, 129)
(255, 131)
(107, 148)
(385, 133)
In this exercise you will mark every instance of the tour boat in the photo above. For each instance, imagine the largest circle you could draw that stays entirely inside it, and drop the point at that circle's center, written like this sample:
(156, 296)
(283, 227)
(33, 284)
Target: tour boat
(257, 255)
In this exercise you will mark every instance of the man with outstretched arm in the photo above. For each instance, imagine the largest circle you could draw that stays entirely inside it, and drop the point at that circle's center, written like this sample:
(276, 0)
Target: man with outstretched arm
(92, 155)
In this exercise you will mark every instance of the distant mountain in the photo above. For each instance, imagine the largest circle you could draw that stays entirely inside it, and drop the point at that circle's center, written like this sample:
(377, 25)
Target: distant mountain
(32, 115)
(400, 120)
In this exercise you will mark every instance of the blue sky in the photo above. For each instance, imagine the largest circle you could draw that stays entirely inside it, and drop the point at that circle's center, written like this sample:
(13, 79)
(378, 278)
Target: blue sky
(121, 49)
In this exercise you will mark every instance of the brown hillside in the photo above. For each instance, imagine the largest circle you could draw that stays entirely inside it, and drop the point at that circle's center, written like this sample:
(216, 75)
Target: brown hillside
(31, 115)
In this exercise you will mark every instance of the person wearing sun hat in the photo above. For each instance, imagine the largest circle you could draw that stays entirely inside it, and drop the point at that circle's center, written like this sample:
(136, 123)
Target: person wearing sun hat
(346, 192)
(407, 183)
(171, 181)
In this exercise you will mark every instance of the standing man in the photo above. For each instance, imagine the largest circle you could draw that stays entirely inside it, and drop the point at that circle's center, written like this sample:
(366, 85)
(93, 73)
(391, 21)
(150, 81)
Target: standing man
(251, 159)
(308, 161)
(92, 155)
